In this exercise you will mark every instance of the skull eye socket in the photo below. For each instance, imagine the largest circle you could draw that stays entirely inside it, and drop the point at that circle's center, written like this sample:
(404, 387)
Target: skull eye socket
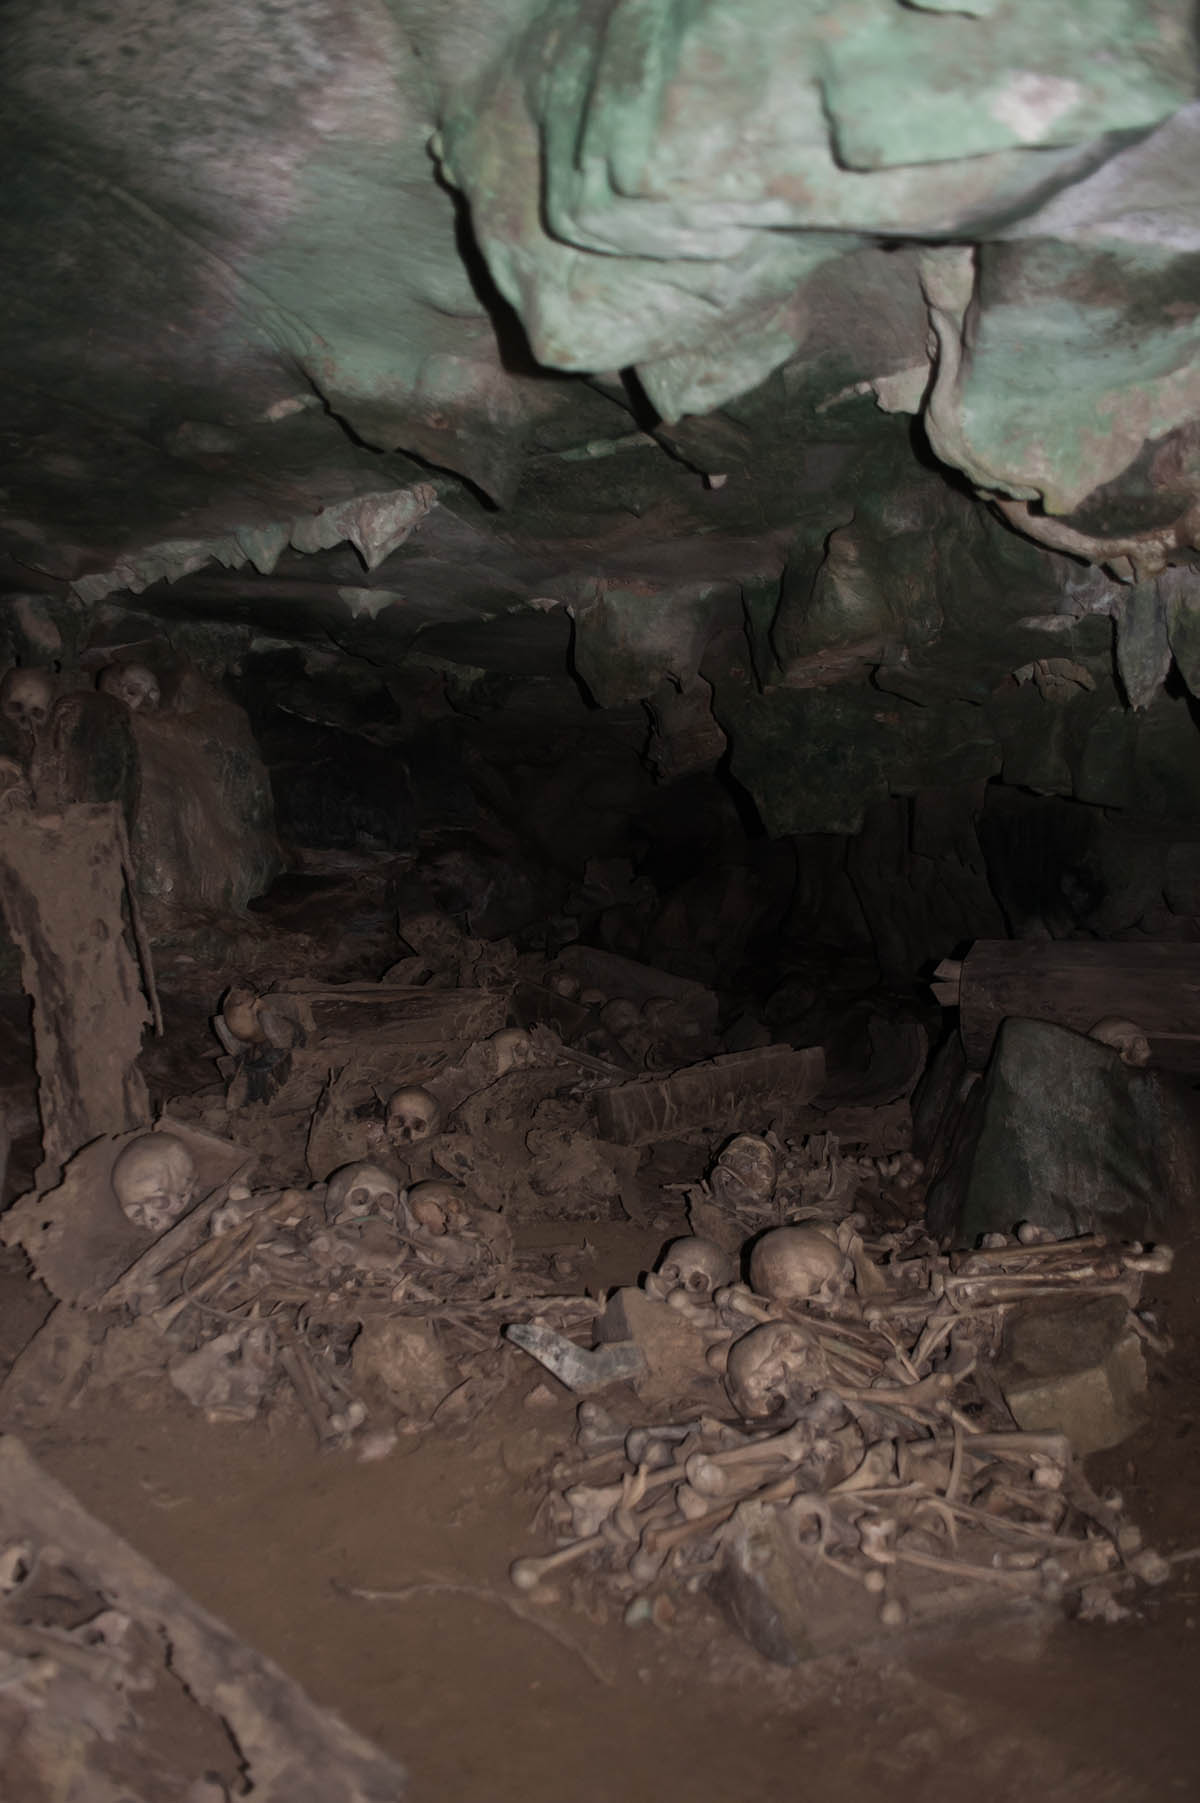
(698, 1280)
(359, 1198)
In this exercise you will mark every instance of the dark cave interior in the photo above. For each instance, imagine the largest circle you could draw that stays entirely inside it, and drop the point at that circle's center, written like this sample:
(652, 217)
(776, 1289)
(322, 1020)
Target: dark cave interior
(599, 900)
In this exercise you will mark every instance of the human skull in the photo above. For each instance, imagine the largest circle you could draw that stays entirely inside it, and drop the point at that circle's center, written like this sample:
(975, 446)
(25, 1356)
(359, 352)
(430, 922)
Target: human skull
(239, 1010)
(798, 1264)
(358, 1190)
(133, 684)
(1125, 1037)
(439, 1207)
(694, 1265)
(152, 1179)
(779, 1363)
(744, 1175)
(26, 697)
(514, 1050)
(412, 1115)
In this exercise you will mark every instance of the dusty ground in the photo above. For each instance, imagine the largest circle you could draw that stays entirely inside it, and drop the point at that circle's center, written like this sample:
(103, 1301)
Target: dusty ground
(490, 1698)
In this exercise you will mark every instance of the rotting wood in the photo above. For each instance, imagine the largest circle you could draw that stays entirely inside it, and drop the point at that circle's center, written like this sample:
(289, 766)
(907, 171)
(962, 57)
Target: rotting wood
(770, 1083)
(387, 1015)
(1075, 983)
(292, 1751)
(63, 885)
(84, 1249)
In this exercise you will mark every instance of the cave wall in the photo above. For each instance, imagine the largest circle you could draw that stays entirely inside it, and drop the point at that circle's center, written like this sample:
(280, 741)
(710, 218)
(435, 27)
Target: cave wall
(747, 443)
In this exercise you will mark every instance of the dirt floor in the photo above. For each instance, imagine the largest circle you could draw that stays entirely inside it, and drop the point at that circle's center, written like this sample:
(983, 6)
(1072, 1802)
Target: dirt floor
(489, 1697)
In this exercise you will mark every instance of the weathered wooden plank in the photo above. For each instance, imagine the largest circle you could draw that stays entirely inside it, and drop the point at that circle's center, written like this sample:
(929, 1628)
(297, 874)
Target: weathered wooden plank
(385, 1015)
(1075, 983)
(742, 1091)
(290, 1751)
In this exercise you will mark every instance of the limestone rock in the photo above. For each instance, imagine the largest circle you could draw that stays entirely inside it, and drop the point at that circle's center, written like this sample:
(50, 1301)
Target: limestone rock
(1074, 1367)
(405, 1359)
(672, 1348)
(1065, 1135)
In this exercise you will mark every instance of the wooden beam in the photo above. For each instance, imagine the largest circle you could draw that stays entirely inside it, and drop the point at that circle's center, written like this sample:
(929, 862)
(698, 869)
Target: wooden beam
(1077, 982)
(740, 1092)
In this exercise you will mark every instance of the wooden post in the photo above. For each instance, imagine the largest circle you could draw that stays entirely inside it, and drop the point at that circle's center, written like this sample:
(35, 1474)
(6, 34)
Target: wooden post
(1077, 982)
(63, 881)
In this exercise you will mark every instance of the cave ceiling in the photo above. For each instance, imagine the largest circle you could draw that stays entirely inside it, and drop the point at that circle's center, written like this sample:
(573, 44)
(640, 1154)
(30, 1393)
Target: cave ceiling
(841, 363)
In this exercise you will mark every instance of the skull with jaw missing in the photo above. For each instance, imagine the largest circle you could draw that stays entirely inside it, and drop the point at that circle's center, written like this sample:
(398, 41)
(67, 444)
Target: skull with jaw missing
(26, 697)
(153, 1180)
(413, 1115)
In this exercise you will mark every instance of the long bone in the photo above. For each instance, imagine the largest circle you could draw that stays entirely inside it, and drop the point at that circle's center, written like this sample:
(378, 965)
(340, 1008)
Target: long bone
(925, 1395)
(987, 1258)
(527, 1574)
(658, 1544)
(707, 1472)
(303, 1381)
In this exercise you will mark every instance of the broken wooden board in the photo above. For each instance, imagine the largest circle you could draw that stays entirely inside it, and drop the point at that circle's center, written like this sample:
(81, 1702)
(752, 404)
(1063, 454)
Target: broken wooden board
(384, 1015)
(79, 1241)
(63, 884)
(875, 1131)
(740, 1092)
(618, 976)
(1075, 983)
(90, 1708)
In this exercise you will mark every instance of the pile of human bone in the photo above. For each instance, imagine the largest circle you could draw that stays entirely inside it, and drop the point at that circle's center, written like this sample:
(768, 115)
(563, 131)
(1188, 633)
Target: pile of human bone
(336, 1221)
(830, 1443)
(810, 1406)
